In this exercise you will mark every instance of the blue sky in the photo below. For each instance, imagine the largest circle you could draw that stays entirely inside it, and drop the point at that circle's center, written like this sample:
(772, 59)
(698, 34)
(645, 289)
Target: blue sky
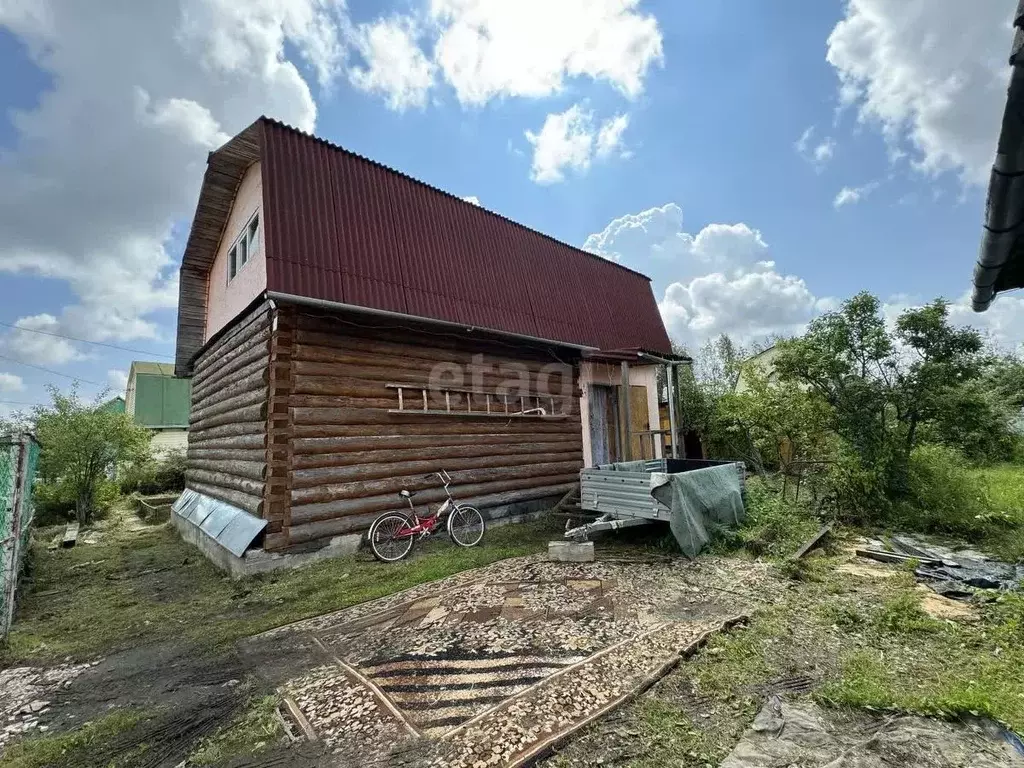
(761, 161)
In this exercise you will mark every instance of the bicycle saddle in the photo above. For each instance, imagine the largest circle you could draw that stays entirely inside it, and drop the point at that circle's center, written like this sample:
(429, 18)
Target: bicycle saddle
(406, 494)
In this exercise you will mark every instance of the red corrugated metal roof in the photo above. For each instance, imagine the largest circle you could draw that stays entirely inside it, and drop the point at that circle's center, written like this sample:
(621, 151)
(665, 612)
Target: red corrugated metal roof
(342, 228)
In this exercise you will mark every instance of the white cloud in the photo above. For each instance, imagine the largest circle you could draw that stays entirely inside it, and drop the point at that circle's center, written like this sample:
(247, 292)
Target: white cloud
(750, 305)
(529, 48)
(609, 137)
(1002, 325)
(11, 383)
(819, 153)
(490, 50)
(721, 280)
(569, 141)
(396, 66)
(40, 348)
(112, 156)
(117, 380)
(565, 142)
(853, 195)
(655, 243)
(472, 199)
(931, 75)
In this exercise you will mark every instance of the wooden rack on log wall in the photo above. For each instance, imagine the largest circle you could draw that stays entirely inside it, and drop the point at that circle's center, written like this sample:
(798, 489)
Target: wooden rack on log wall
(500, 402)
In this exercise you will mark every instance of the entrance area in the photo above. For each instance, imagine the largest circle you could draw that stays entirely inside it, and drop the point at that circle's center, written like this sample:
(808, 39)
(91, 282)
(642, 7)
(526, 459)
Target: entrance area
(603, 409)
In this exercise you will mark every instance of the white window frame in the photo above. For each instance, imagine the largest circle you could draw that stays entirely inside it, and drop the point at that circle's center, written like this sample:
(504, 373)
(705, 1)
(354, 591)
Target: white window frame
(249, 240)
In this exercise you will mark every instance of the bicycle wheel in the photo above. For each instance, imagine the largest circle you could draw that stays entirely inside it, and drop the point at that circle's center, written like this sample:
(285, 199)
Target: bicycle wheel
(386, 539)
(466, 526)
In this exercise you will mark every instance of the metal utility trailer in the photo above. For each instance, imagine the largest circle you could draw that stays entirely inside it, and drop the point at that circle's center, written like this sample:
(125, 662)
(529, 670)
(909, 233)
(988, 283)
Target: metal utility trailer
(623, 499)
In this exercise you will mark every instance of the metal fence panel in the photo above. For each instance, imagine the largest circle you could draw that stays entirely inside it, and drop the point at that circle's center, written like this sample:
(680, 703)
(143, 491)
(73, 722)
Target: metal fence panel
(19, 458)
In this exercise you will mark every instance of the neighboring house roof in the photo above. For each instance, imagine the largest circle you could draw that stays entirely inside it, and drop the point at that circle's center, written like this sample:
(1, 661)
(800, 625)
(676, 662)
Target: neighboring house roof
(158, 399)
(1000, 265)
(764, 361)
(157, 369)
(115, 404)
(343, 229)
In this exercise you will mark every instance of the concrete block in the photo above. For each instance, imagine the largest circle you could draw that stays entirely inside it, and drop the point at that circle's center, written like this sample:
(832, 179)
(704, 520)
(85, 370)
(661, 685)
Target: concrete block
(571, 551)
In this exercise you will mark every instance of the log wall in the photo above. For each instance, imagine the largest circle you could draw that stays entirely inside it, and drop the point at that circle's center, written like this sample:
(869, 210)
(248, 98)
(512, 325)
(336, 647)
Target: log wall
(227, 442)
(338, 457)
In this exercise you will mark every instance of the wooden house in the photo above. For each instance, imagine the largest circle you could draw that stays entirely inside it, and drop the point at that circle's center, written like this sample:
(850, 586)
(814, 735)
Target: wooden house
(349, 330)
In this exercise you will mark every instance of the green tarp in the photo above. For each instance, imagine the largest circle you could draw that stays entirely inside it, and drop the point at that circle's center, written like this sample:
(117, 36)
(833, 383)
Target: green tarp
(700, 500)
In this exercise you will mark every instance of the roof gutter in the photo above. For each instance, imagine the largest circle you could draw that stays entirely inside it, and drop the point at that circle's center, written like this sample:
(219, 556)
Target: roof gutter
(341, 306)
(996, 269)
(666, 361)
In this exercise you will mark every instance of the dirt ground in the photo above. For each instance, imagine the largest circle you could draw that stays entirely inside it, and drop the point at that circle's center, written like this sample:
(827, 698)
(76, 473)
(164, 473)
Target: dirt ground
(516, 660)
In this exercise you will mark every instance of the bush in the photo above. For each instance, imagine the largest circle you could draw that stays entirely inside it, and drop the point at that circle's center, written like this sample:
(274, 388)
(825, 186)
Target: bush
(774, 526)
(946, 496)
(153, 477)
(855, 491)
(55, 501)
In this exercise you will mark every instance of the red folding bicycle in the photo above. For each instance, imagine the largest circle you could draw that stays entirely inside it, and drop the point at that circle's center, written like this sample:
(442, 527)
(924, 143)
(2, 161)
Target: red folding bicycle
(393, 534)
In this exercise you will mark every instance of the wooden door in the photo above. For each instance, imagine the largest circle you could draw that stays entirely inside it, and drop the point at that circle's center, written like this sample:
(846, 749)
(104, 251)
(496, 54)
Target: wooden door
(603, 424)
(639, 421)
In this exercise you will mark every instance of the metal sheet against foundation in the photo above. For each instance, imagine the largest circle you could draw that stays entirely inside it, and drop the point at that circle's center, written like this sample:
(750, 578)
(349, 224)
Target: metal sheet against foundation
(231, 527)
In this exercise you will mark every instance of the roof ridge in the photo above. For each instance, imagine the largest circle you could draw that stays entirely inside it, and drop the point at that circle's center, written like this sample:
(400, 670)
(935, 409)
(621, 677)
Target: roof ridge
(389, 169)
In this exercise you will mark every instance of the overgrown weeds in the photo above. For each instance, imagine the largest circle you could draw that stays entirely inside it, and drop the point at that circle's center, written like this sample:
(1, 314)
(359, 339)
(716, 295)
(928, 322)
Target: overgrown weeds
(774, 527)
(254, 731)
(79, 748)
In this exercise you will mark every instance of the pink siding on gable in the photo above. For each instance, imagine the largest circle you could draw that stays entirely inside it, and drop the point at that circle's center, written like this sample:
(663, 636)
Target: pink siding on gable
(226, 299)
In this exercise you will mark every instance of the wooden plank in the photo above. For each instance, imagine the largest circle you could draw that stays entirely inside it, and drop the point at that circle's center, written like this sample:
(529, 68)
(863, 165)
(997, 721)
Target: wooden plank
(814, 542)
(281, 385)
(892, 557)
(225, 480)
(480, 414)
(470, 391)
(70, 536)
(250, 413)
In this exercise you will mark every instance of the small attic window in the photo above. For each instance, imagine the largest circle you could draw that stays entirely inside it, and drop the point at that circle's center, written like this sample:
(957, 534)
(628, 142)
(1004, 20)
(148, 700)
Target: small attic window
(243, 249)
(253, 234)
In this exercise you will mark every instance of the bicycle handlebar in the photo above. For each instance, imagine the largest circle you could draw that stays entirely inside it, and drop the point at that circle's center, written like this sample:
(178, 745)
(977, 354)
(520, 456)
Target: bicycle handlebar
(443, 474)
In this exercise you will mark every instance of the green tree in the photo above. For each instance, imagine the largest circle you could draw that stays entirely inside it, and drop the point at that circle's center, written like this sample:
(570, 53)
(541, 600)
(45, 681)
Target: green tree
(848, 359)
(83, 444)
(774, 425)
(939, 360)
(700, 387)
(891, 387)
(1004, 379)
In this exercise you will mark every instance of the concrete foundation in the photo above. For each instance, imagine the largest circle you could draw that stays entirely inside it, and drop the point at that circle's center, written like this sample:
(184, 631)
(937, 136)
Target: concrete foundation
(260, 561)
(571, 551)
